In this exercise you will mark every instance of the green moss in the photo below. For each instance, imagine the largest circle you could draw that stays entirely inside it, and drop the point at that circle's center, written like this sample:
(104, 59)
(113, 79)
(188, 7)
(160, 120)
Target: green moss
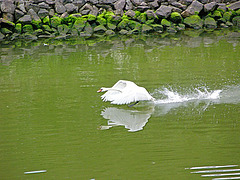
(101, 20)
(6, 31)
(123, 24)
(210, 23)
(157, 27)
(149, 22)
(91, 17)
(27, 28)
(176, 17)
(134, 24)
(79, 24)
(63, 29)
(217, 14)
(137, 13)
(46, 20)
(46, 28)
(37, 24)
(238, 12)
(55, 21)
(227, 16)
(193, 21)
(142, 17)
(165, 23)
(18, 28)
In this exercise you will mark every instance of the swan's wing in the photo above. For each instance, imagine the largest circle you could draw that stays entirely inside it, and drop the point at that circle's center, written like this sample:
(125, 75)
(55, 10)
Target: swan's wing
(121, 84)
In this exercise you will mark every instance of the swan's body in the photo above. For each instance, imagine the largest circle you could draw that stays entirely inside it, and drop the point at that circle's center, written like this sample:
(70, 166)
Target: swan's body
(125, 92)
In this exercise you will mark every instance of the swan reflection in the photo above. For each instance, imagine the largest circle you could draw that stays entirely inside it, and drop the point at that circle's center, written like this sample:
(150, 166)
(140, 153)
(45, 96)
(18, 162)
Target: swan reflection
(133, 120)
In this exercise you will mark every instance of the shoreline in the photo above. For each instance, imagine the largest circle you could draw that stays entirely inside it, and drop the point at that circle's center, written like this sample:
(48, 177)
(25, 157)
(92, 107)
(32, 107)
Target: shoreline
(62, 19)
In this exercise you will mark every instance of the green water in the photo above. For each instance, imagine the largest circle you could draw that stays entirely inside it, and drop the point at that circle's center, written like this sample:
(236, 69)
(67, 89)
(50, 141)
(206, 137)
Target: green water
(53, 119)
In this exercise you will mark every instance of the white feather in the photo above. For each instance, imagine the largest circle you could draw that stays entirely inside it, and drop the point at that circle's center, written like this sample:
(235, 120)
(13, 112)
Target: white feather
(125, 92)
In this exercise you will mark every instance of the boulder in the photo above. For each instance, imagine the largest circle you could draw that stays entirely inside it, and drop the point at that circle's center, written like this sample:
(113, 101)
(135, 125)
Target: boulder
(176, 17)
(194, 7)
(7, 7)
(210, 6)
(25, 19)
(164, 11)
(120, 4)
(59, 8)
(234, 6)
(42, 13)
(210, 23)
(71, 8)
(193, 21)
(33, 15)
(18, 14)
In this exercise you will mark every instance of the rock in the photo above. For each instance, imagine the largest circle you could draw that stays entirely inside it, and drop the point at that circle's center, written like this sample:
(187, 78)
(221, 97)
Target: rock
(50, 2)
(129, 5)
(100, 29)
(176, 17)
(180, 27)
(157, 27)
(42, 13)
(111, 26)
(234, 6)
(142, 8)
(59, 8)
(178, 5)
(151, 14)
(21, 7)
(120, 4)
(210, 23)
(18, 28)
(216, 14)
(109, 32)
(210, 6)
(8, 16)
(71, 8)
(6, 31)
(134, 25)
(2, 36)
(25, 19)
(55, 21)
(63, 29)
(88, 28)
(27, 28)
(7, 22)
(222, 6)
(194, 7)
(137, 2)
(165, 23)
(222, 25)
(142, 17)
(123, 25)
(229, 24)
(164, 11)
(46, 28)
(123, 32)
(15, 36)
(186, 2)
(29, 36)
(46, 20)
(236, 21)
(64, 15)
(18, 14)
(62, 37)
(30, 5)
(193, 21)
(79, 24)
(43, 5)
(227, 16)
(146, 28)
(101, 20)
(130, 13)
(33, 15)
(7, 7)
(171, 30)
(154, 4)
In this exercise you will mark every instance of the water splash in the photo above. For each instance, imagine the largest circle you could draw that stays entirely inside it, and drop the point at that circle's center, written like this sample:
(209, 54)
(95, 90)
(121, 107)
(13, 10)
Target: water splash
(167, 95)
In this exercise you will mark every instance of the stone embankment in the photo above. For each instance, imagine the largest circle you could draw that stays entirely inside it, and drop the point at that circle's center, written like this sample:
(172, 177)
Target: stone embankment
(60, 19)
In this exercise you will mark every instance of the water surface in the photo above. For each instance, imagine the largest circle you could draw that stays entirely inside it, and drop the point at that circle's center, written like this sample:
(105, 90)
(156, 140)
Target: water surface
(52, 118)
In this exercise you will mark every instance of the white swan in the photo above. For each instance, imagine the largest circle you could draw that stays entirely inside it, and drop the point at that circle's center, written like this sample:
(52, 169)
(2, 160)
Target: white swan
(125, 92)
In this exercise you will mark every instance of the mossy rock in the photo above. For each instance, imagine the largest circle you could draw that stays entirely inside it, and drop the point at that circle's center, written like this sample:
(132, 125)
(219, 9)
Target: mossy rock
(180, 27)
(157, 27)
(227, 16)
(46, 20)
(176, 17)
(123, 24)
(101, 21)
(137, 13)
(142, 17)
(38, 32)
(217, 14)
(29, 36)
(110, 32)
(149, 22)
(134, 24)
(88, 28)
(165, 23)
(37, 24)
(193, 21)
(146, 28)
(100, 29)
(28, 28)
(91, 17)
(6, 31)
(111, 26)
(236, 21)
(123, 32)
(56, 21)
(238, 12)
(74, 32)
(171, 30)
(63, 29)
(210, 23)
(79, 24)
(18, 28)
(46, 28)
